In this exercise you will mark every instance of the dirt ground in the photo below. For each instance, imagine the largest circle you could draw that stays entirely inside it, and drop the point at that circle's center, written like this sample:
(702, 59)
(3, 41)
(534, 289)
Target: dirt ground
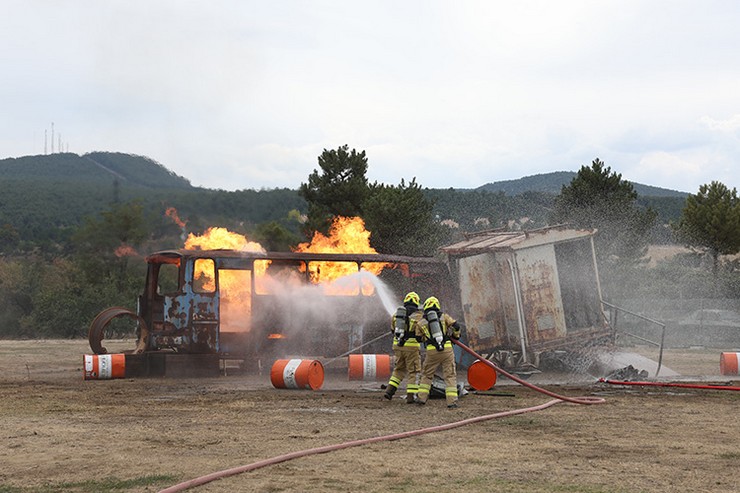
(61, 433)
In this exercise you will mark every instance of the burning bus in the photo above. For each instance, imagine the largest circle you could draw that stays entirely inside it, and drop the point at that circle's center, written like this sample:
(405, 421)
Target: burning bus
(524, 297)
(244, 303)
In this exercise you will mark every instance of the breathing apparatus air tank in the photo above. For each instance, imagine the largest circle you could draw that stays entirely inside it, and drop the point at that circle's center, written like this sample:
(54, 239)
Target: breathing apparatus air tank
(400, 325)
(435, 329)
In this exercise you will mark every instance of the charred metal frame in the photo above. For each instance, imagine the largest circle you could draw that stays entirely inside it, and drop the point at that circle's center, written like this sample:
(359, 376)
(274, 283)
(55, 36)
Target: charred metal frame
(613, 317)
(189, 320)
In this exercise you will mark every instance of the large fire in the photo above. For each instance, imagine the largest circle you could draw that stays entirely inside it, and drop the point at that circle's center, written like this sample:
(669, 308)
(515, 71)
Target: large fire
(235, 285)
(347, 235)
(221, 239)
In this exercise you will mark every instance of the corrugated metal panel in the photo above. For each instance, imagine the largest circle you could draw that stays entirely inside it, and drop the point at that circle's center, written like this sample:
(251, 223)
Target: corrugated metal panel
(484, 242)
(482, 308)
(551, 236)
(540, 289)
(498, 240)
(489, 300)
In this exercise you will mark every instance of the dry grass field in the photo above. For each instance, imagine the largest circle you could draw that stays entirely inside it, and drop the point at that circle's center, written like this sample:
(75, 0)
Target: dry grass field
(59, 433)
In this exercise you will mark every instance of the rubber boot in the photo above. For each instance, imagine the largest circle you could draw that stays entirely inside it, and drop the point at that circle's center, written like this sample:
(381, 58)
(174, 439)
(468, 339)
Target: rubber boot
(389, 391)
(410, 398)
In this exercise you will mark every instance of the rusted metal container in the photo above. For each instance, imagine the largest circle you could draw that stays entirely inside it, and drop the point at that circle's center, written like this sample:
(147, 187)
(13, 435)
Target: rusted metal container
(528, 292)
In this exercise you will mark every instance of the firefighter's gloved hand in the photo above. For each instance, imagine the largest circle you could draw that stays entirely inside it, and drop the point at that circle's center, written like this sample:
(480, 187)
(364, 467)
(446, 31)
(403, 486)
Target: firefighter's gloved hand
(456, 330)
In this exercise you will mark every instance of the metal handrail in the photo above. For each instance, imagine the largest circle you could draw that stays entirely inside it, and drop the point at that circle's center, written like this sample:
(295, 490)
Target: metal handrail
(647, 319)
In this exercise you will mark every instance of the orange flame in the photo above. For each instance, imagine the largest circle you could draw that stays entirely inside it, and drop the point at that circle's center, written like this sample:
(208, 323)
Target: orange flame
(221, 239)
(346, 235)
(235, 286)
(171, 212)
(125, 251)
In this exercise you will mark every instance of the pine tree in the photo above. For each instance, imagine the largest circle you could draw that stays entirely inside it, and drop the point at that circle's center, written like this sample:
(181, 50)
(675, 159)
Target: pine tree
(711, 220)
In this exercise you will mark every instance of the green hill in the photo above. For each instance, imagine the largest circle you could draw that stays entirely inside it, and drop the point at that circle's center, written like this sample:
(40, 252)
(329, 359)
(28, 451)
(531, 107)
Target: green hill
(553, 182)
(44, 198)
(100, 168)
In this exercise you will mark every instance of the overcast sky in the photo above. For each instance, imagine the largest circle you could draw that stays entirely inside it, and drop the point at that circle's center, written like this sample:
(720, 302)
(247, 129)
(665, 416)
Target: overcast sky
(247, 94)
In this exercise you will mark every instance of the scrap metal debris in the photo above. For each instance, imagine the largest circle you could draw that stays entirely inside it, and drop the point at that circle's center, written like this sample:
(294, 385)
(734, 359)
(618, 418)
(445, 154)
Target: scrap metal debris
(628, 374)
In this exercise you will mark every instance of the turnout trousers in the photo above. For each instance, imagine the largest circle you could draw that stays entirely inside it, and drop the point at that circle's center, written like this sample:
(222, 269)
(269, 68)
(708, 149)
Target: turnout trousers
(434, 359)
(408, 362)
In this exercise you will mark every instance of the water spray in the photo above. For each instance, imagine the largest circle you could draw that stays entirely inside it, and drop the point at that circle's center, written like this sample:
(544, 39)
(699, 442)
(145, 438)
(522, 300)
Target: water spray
(384, 334)
(381, 289)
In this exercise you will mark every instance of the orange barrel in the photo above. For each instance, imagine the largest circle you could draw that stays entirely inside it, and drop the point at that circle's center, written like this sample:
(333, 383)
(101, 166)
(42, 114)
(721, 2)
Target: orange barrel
(369, 366)
(297, 374)
(481, 376)
(728, 363)
(103, 366)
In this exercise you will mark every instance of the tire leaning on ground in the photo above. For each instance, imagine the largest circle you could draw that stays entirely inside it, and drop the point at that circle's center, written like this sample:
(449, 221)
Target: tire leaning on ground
(96, 334)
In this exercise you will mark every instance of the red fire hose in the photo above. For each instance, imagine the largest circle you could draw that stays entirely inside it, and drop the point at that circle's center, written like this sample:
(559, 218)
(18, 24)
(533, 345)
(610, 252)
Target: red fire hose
(396, 436)
(671, 384)
(576, 400)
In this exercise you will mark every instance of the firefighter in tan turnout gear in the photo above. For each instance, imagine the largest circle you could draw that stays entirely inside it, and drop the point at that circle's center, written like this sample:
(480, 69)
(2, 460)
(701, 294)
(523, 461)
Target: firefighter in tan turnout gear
(437, 330)
(406, 348)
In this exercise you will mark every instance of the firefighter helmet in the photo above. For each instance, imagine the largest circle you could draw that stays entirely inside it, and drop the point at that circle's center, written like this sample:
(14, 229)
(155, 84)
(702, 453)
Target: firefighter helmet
(412, 297)
(432, 303)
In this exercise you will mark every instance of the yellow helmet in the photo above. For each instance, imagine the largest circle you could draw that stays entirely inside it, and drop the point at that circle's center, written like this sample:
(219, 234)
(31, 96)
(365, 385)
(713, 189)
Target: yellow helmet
(412, 297)
(432, 303)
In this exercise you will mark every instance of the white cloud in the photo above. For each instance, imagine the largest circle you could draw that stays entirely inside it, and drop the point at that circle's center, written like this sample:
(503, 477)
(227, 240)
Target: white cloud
(246, 94)
(685, 170)
(669, 165)
(730, 125)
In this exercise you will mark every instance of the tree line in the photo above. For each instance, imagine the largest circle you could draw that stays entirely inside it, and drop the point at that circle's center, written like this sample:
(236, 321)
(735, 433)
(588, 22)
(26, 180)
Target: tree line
(53, 284)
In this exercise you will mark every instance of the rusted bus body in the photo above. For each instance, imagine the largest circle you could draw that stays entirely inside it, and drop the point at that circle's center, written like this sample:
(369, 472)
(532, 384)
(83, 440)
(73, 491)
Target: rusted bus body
(245, 305)
(525, 293)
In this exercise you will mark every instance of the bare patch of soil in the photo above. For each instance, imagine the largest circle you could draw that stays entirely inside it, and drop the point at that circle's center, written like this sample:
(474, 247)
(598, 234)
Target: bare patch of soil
(61, 433)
